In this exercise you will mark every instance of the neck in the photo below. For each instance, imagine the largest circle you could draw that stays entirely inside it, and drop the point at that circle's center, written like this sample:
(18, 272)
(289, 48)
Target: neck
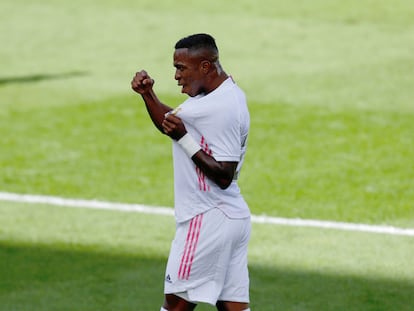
(216, 79)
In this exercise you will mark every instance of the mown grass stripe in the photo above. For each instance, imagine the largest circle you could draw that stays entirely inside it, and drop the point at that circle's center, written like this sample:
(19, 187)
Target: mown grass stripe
(160, 210)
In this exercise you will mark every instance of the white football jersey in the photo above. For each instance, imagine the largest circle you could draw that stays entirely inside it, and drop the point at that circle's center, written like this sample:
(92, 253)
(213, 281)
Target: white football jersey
(219, 122)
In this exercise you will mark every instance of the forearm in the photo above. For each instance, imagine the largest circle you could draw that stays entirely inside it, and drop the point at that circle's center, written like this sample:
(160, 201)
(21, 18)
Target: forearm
(156, 109)
(221, 173)
(143, 84)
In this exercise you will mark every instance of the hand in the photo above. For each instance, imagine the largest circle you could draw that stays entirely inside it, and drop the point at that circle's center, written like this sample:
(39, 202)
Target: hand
(174, 127)
(142, 82)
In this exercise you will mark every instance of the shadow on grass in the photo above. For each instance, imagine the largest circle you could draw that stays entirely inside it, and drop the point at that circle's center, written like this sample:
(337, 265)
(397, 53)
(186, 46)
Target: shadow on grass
(40, 77)
(78, 278)
(75, 278)
(304, 290)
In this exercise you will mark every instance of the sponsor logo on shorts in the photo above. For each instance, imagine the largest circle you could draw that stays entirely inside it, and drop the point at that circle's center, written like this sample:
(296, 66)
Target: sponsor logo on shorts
(168, 279)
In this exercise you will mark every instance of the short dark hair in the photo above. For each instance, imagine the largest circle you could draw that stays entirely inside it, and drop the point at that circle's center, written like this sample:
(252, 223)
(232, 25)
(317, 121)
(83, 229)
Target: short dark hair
(198, 41)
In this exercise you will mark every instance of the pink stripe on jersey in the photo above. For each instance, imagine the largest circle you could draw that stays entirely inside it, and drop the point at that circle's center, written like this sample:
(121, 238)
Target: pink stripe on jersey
(190, 247)
(202, 180)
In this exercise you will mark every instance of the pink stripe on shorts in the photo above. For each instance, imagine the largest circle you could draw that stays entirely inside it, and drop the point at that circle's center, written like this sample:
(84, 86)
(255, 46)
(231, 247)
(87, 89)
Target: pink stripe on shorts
(190, 247)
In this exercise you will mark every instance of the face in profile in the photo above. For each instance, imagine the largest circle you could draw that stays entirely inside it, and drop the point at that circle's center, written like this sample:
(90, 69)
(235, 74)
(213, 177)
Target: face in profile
(189, 72)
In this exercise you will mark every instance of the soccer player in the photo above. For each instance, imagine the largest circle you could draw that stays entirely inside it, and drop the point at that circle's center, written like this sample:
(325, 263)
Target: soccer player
(208, 256)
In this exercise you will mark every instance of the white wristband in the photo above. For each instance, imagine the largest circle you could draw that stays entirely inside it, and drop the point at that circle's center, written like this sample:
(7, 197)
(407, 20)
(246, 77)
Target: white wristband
(189, 145)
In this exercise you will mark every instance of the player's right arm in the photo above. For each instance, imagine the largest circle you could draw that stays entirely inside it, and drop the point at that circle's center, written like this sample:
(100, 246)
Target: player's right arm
(143, 84)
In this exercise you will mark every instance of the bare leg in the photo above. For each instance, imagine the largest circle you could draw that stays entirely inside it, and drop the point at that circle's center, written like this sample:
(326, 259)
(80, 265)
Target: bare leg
(175, 303)
(231, 306)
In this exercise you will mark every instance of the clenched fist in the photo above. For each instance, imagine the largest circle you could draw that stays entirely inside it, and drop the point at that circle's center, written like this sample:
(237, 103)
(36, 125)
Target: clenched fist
(142, 82)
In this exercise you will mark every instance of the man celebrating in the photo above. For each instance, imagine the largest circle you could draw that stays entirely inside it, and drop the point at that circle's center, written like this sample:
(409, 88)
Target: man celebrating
(208, 256)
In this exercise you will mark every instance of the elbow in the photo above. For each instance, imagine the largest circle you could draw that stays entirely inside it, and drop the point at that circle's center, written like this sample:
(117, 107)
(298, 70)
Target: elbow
(224, 183)
(227, 176)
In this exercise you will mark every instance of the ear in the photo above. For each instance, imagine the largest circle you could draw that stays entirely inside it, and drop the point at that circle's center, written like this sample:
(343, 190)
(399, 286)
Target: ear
(205, 66)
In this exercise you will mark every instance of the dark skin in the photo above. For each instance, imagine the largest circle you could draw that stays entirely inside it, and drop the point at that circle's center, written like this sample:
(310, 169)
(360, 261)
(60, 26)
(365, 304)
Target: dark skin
(197, 73)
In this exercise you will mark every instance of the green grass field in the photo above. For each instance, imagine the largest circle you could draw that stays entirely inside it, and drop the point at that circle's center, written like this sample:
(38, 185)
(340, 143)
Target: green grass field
(56, 258)
(330, 94)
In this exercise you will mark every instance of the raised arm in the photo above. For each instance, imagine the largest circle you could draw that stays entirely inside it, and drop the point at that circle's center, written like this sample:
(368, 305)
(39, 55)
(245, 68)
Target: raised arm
(143, 84)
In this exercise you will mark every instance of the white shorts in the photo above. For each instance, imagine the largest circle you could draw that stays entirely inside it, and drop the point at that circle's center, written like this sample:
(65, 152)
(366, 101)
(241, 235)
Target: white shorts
(208, 259)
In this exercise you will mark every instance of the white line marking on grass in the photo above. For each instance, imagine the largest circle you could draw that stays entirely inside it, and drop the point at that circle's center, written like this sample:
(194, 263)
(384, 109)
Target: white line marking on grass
(79, 203)
(297, 222)
(159, 210)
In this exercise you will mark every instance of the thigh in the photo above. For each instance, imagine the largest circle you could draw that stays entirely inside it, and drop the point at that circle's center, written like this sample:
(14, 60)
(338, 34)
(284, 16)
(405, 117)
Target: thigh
(199, 257)
(236, 283)
(173, 302)
(231, 306)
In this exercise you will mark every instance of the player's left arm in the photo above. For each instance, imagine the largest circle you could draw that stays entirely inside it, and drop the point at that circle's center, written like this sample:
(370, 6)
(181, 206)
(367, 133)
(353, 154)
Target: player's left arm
(220, 172)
